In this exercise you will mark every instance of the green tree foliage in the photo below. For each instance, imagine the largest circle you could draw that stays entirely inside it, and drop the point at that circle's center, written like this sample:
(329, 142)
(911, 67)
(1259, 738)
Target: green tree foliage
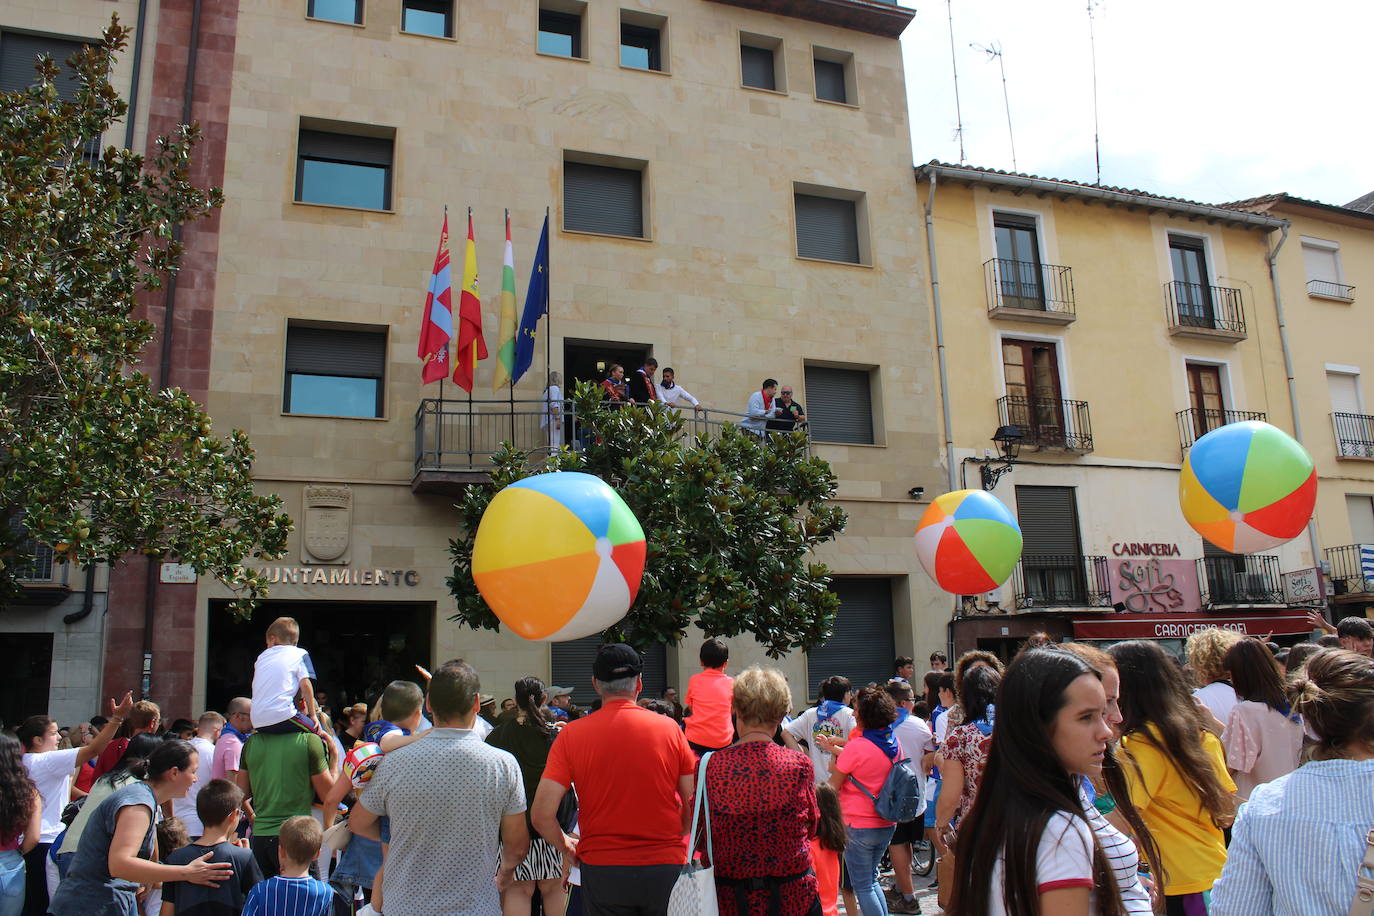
(93, 460)
(730, 522)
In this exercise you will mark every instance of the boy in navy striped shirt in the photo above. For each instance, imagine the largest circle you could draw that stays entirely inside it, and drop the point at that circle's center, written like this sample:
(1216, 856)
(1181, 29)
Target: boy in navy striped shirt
(294, 892)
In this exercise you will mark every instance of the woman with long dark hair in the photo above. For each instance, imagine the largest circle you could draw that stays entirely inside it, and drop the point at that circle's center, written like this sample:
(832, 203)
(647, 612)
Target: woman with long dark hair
(1298, 842)
(1175, 773)
(1027, 847)
(527, 737)
(116, 850)
(964, 754)
(21, 823)
(136, 754)
(1263, 736)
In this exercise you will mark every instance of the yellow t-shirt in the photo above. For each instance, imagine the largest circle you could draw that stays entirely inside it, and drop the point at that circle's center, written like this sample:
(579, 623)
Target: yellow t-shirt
(1192, 847)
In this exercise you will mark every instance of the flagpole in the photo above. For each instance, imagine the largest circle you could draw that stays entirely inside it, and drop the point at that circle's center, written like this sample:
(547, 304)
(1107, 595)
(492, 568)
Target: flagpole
(510, 378)
(439, 422)
(548, 316)
(474, 373)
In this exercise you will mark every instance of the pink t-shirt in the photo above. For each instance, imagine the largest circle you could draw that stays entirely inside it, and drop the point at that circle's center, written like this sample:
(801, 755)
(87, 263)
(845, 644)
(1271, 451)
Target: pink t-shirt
(867, 763)
(228, 749)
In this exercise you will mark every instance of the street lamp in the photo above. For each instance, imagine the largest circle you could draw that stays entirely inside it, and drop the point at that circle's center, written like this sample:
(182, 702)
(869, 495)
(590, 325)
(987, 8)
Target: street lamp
(1008, 439)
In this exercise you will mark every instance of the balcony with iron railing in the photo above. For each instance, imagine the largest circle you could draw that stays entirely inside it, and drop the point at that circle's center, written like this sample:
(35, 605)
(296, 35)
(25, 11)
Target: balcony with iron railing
(1354, 435)
(1194, 423)
(1208, 312)
(1326, 289)
(1352, 569)
(1238, 579)
(455, 440)
(1048, 423)
(1029, 291)
(1054, 580)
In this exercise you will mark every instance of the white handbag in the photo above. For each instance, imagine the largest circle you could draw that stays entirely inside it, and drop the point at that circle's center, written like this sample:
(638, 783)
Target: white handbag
(694, 894)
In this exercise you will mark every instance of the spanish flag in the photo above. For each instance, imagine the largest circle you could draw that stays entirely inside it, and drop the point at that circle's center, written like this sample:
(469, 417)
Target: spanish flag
(471, 346)
(505, 348)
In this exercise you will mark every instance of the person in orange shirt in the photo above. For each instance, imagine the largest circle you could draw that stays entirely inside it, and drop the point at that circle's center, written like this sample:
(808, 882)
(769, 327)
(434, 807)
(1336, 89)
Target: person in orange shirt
(708, 723)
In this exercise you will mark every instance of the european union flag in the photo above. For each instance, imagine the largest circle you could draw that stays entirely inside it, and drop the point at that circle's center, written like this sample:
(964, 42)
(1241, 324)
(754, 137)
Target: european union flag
(536, 306)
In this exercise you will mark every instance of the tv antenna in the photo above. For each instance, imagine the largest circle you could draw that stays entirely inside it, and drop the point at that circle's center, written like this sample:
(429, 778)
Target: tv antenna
(994, 52)
(954, 65)
(1097, 125)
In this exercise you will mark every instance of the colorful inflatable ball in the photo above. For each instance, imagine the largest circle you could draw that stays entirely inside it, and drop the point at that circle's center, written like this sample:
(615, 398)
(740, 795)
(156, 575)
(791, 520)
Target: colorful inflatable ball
(360, 763)
(968, 541)
(558, 556)
(1247, 487)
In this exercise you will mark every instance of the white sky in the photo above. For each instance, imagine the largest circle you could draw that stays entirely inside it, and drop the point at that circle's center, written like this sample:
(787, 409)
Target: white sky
(1209, 100)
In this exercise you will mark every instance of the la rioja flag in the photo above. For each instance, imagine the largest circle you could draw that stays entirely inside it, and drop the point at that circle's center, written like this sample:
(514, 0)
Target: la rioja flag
(436, 321)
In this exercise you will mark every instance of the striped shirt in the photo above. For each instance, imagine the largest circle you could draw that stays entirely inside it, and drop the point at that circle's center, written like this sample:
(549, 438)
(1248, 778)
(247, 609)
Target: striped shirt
(1298, 843)
(1121, 857)
(289, 897)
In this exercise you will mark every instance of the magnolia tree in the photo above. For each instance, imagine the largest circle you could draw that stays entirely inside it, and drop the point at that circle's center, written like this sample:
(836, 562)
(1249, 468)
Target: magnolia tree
(94, 461)
(730, 521)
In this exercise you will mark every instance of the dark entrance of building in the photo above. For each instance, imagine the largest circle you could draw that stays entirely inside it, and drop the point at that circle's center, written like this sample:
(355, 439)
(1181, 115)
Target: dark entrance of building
(25, 677)
(590, 360)
(357, 647)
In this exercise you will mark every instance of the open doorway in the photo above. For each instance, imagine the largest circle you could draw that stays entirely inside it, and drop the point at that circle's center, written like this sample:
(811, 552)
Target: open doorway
(590, 360)
(357, 647)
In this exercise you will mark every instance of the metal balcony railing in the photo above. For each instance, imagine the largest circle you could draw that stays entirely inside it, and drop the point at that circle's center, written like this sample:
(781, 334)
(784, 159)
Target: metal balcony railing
(1054, 580)
(1354, 435)
(1240, 579)
(458, 435)
(1029, 286)
(1352, 569)
(1048, 422)
(1197, 306)
(1194, 423)
(1329, 290)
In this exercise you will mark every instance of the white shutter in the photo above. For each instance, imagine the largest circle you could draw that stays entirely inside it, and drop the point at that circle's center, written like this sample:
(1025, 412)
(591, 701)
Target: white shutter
(1321, 263)
(1361, 509)
(1345, 392)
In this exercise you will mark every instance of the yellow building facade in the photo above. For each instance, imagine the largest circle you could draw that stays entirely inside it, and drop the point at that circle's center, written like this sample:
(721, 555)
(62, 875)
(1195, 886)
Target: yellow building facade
(1111, 328)
(730, 192)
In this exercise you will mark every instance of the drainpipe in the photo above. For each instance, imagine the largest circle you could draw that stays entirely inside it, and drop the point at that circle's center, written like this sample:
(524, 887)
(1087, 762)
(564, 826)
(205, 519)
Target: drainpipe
(1273, 260)
(944, 373)
(165, 363)
(138, 70)
(87, 599)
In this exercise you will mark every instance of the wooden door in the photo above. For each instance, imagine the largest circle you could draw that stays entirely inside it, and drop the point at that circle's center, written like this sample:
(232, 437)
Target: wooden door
(1205, 398)
(1034, 402)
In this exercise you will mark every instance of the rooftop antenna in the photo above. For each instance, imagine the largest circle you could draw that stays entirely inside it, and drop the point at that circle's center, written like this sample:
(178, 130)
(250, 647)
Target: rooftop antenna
(994, 52)
(1097, 127)
(954, 65)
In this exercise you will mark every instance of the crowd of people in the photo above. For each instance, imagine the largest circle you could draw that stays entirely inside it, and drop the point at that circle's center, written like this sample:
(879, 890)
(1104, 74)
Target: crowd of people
(1072, 779)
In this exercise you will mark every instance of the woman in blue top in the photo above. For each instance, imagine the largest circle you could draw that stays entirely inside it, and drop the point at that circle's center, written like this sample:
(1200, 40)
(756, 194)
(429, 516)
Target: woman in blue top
(115, 853)
(1299, 841)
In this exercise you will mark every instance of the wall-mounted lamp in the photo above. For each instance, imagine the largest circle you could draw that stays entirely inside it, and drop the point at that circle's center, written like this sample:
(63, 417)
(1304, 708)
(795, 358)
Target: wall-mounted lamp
(1008, 439)
(916, 492)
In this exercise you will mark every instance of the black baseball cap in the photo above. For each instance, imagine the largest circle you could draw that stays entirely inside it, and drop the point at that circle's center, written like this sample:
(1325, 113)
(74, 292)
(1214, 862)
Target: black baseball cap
(615, 661)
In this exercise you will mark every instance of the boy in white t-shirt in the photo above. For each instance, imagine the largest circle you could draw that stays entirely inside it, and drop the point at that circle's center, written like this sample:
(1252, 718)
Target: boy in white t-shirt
(281, 671)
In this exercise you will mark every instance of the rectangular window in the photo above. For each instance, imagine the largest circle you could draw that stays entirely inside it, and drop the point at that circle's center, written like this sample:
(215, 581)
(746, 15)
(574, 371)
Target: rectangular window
(1052, 567)
(335, 372)
(1322, 261)
(862, 644)
(1361, 510)
(830, 225)
(344, 169)
(1018, 261)
(19, 55)
(336, 10)
(642, 44)
(603, 198)
(839, 404)
(834, 71)
(427, 17)
(1034, 399)
(761, 62)
(560, 30)
(1205, 398)
(1192, 282)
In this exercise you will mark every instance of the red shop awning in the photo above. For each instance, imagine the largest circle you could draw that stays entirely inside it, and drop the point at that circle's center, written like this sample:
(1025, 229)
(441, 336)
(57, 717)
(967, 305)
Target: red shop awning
(1179, 626)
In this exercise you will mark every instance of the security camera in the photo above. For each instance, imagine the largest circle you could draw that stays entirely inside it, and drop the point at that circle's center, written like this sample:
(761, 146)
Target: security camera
(916, 492)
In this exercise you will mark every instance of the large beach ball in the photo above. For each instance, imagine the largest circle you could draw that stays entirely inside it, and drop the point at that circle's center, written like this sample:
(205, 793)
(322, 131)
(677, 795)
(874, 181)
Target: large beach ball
(558, 556)
(1247, 487)
(360, 763)
(968, 541)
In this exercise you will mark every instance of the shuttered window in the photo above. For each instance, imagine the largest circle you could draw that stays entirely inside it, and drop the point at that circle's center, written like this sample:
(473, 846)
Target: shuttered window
(345, 170)
(571, 666)
(19, 54)
(1322, 262)
(1049, 520)
(827, 228)
(756, 65)
(830, 83)
(600, 198)
(862, 645)
(334, 372)
(839, 404)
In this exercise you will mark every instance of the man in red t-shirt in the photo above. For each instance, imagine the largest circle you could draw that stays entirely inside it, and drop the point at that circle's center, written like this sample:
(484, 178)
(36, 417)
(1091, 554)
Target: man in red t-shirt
(633, 773)
(145, 719)
(709, 724)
